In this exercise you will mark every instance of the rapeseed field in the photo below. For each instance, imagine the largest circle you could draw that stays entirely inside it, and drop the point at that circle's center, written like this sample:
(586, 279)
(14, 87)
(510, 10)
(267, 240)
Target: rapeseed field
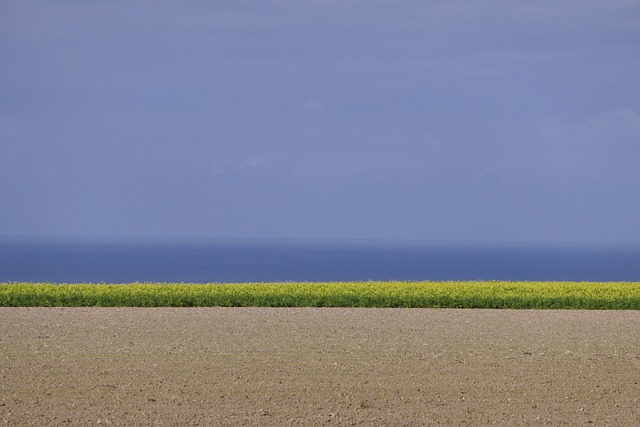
(513, 295)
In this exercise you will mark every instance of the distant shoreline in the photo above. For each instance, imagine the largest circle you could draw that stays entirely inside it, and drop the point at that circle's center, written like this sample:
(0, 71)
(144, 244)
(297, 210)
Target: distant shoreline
(309, 240)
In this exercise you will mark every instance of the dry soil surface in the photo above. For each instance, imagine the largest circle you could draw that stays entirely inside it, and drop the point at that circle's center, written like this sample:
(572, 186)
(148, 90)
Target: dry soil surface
(309, 366)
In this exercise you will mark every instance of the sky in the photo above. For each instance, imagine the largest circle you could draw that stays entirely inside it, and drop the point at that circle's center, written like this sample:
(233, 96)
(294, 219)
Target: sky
(340, 119)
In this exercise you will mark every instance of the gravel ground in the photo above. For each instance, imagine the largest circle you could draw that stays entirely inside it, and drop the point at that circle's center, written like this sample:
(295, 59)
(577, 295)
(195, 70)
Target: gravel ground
(315, 366)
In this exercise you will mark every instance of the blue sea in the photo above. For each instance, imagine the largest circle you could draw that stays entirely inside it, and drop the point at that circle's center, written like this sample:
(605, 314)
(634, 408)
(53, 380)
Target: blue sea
(232, 260)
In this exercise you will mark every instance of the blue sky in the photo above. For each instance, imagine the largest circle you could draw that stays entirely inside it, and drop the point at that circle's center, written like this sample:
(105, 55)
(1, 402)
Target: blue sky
(439, 120)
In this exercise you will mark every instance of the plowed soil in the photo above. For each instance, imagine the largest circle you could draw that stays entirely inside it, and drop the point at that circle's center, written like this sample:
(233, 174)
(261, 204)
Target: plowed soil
(318, 366)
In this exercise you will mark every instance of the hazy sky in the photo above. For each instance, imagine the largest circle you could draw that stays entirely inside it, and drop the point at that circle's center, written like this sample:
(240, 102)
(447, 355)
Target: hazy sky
(438, 120)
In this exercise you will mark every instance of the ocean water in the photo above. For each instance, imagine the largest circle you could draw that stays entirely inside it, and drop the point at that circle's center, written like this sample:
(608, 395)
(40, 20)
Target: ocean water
(203, 261)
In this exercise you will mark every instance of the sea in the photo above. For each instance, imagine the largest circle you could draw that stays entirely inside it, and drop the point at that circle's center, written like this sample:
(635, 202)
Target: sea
(125, 260)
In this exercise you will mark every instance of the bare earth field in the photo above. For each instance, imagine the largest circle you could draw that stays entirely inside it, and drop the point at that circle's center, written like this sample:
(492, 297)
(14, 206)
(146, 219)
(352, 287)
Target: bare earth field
(315, 366)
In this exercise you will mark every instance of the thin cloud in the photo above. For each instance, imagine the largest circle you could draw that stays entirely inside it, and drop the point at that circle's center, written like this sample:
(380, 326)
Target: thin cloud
(12, 128)
(313, 104)
(235, 166)
(618, 127)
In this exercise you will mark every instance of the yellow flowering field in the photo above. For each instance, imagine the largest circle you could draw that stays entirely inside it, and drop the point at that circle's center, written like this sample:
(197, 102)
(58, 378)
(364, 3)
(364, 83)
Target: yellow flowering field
(531, 295)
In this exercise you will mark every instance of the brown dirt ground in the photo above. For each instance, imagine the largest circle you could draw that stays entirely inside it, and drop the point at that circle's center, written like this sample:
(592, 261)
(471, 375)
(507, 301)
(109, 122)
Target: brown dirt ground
(309, 366)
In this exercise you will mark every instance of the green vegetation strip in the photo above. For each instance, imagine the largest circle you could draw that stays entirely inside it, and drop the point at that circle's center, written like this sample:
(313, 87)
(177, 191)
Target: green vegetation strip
(535, 295)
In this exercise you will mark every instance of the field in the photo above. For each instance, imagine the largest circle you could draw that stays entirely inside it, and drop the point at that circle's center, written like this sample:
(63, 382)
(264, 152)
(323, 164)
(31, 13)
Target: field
(318, 366)
(266, 354)
(522, 295)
